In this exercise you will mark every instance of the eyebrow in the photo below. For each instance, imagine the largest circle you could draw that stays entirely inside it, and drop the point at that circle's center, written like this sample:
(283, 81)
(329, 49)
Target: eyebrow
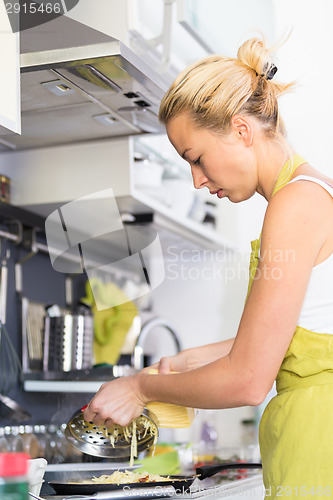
(184, 154)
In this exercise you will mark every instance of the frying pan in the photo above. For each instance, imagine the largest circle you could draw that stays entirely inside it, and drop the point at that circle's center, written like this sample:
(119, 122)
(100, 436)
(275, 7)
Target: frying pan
(179, 483)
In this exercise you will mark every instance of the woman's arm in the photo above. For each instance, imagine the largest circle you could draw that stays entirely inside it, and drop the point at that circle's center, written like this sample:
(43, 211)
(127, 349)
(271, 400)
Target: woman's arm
(294, 232)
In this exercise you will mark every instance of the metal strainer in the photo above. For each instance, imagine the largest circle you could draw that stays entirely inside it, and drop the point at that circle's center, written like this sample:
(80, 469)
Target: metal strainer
(96, 440)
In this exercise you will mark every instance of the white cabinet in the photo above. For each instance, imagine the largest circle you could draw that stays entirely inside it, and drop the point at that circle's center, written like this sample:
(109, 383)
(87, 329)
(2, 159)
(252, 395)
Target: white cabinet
(10, 76)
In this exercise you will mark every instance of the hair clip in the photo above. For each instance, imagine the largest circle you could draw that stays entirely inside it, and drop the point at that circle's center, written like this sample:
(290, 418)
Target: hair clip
(269, 75)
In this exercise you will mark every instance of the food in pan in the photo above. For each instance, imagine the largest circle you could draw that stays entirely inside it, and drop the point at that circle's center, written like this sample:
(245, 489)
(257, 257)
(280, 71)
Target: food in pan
(125, 477)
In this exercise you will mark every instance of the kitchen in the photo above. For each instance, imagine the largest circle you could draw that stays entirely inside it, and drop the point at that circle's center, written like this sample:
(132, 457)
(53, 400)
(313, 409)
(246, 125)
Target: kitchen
(187, 273)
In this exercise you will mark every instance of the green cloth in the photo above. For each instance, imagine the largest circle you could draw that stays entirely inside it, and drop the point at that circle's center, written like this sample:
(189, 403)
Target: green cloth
(113, 317)
(164, 464)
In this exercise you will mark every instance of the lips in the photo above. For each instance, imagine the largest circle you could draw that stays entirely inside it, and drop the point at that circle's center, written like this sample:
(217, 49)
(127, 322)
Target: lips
(218, 192)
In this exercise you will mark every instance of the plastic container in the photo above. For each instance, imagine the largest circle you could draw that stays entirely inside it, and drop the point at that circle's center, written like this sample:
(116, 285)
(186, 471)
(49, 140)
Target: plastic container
(36, 473)
(13, 476)
(249, 433)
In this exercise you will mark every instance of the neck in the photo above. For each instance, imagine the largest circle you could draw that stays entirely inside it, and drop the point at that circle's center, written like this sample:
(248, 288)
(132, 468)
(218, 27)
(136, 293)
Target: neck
(271, 158)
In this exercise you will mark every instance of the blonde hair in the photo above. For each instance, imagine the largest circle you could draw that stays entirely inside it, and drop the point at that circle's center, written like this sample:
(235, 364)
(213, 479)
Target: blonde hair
(214, 89)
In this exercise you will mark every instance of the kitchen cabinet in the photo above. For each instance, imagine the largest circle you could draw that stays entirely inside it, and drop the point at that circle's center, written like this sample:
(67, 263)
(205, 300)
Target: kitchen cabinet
(205, 20)
(10, 108)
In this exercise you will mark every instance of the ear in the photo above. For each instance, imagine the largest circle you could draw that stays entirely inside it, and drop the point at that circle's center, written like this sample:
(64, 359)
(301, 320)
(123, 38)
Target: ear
(243, 128)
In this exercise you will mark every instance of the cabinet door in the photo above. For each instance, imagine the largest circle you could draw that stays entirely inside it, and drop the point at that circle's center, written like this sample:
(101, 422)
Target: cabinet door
(10, 108)
(220, 25)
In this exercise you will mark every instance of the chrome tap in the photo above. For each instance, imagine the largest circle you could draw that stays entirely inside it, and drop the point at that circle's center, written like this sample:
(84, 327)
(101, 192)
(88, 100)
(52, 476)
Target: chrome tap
(137, 356)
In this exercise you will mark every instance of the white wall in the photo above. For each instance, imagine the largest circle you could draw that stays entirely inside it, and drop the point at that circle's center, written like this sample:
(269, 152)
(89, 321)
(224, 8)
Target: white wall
(307, 58)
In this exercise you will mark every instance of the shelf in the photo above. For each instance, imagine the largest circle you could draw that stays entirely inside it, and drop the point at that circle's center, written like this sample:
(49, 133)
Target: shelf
(62, 386)
(149, 150)
(88, 381)
(10, 212)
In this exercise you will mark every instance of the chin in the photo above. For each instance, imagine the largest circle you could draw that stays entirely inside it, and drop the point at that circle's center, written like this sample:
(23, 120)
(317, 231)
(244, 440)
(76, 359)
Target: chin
(238, 198)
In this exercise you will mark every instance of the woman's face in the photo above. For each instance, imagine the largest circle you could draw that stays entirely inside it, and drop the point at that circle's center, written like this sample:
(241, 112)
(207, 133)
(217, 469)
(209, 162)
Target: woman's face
(225, 164)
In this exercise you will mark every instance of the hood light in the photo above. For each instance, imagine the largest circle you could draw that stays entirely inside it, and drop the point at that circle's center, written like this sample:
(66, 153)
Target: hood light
(58, 87)
(105, 119)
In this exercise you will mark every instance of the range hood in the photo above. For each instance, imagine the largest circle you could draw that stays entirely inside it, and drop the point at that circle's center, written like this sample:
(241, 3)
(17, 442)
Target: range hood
(78, 84)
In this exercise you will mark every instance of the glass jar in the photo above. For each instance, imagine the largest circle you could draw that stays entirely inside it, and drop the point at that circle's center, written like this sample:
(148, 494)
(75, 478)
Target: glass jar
(4, 188)
(14, 438)
(30, 441)
(43, 438)
(13, 476)
(249, 434)
(4, 443)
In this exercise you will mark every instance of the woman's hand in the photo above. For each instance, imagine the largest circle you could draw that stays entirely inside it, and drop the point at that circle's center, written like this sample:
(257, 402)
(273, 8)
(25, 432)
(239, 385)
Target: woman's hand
(192, 358)
(168, 364)
(117, 401)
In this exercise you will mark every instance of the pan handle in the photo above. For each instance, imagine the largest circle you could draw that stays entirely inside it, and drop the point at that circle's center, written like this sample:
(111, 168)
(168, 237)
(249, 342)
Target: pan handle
(210, 470)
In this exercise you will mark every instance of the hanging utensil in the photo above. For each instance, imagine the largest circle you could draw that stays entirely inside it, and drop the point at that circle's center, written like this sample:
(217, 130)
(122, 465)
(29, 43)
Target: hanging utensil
(16, 412)
(10, 363)
(3, 287)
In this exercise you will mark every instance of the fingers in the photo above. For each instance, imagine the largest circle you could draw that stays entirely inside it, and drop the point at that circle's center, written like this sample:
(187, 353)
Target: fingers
(109, 422)
(117, 402)
(88, 414)
(119, 407)
(164, 366)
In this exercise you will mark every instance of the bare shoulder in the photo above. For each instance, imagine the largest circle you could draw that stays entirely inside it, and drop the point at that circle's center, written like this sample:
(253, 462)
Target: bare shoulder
(301, 210)
(305, 195)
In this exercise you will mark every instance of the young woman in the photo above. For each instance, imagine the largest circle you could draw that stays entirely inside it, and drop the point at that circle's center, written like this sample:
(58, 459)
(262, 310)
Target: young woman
(222, 116)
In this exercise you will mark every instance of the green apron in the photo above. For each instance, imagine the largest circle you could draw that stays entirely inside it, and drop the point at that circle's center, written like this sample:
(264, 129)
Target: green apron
(296, 431)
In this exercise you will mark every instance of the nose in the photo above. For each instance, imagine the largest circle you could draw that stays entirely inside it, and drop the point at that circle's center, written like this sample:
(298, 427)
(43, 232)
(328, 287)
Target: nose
(199, 179)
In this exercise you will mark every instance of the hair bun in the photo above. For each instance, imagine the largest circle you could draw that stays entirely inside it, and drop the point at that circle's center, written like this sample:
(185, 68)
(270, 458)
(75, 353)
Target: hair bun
(254, 54)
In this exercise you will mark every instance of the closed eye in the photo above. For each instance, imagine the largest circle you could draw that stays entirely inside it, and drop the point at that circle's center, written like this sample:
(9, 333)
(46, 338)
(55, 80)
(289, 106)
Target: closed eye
(197, 162)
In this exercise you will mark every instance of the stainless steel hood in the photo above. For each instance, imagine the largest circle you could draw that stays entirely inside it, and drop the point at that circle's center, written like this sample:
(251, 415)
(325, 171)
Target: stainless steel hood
(78, 84)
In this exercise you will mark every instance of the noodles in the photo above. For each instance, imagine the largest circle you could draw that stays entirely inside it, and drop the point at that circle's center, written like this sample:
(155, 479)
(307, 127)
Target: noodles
(139, 429)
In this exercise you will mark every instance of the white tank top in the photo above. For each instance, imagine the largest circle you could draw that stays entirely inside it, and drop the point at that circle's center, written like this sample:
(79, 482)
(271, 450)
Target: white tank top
(317, 309)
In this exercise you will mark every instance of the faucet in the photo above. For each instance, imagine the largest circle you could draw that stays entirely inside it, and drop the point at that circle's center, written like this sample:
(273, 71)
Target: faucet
(137, 356)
